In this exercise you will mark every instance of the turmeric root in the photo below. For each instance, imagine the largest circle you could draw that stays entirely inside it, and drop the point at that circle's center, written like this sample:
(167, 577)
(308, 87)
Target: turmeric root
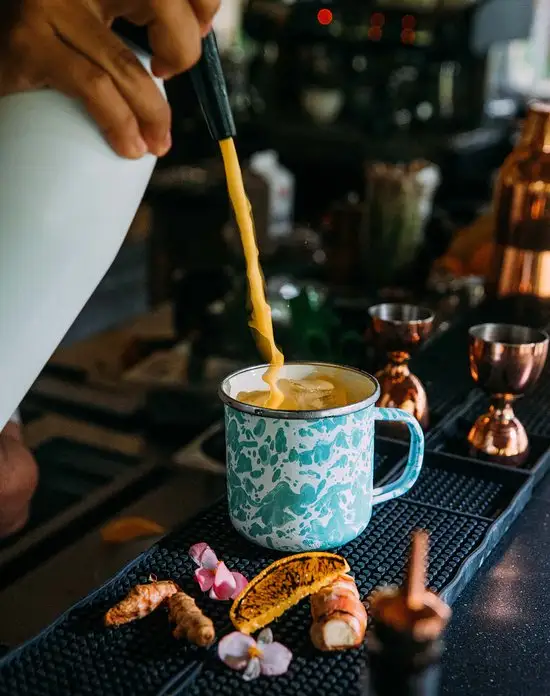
(190, 622)
(339, 617)
(140, 601)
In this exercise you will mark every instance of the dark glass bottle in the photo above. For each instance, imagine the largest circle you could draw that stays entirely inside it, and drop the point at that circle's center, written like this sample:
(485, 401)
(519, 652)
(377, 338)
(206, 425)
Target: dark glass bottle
(401, 666)
(405, 642)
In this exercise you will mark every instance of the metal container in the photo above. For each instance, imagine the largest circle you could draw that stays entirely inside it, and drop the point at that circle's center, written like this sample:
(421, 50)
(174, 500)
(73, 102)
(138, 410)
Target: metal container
(522, 206)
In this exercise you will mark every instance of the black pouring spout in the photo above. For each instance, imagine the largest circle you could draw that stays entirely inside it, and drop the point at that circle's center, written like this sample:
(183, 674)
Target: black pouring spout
(207, 78)
(211, 90)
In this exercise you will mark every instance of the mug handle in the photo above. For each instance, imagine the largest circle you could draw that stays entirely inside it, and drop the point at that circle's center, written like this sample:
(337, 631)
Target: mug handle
(416, 455)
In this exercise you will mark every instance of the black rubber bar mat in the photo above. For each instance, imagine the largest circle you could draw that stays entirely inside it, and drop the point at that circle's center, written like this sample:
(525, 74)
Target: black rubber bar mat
(77, 655)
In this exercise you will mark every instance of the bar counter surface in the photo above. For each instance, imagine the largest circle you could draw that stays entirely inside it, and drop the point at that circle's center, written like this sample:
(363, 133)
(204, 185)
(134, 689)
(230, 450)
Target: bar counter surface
(497, 642)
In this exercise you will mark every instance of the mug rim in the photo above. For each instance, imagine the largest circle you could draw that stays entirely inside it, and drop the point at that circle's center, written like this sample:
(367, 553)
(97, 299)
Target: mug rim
(299, 415)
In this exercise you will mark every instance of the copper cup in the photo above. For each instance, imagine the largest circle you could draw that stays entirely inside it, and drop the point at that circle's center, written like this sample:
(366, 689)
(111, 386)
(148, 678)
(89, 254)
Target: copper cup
(399, 331)
(506, 360)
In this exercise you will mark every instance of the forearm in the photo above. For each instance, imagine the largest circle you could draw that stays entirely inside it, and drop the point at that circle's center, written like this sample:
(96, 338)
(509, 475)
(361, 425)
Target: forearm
(18, 479)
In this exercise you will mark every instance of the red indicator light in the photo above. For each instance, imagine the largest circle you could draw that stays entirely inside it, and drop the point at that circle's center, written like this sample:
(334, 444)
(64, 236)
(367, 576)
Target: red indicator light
(324, 17)
(408, 36)
(374, 33)
(408, 22)
(378, 19)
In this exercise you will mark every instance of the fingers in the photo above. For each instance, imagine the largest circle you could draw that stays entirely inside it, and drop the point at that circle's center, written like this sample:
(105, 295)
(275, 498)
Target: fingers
(144, 11)
(77, 77)
(71, 47)
(113, 68)
(19, 69)
(175, 37)
(175, 29)
(205, 11)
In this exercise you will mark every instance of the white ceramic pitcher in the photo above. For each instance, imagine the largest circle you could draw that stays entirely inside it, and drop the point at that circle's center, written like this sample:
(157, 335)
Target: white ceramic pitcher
(66, 203)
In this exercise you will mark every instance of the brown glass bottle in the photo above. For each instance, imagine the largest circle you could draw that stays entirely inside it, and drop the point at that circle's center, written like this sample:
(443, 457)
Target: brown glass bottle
(522, 212)
(401, 666)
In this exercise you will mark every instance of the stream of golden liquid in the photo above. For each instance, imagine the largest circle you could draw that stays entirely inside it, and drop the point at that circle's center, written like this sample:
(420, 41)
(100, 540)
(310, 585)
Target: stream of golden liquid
(260, 321)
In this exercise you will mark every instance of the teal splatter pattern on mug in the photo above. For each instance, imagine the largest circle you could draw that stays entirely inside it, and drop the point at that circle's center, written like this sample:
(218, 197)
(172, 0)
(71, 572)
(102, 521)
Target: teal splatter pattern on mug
(297, 484)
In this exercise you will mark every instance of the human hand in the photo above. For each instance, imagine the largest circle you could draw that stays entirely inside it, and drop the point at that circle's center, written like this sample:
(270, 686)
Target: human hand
(68, 45)
(18, 479)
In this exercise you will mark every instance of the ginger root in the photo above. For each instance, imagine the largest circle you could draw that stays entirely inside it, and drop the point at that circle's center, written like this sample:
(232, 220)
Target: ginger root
(190, 622)
(140, 601)
(339, 617)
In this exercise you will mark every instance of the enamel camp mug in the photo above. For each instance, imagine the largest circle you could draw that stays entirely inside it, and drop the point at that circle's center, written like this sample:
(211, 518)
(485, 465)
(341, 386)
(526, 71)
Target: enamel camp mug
(303, 480)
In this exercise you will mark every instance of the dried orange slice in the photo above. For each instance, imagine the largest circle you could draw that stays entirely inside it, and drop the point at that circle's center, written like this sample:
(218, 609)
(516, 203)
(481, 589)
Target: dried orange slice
(282, 585)
(128, 528)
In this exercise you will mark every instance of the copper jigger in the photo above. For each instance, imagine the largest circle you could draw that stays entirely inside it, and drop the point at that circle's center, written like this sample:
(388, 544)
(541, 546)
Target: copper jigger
(505, 361)
(399, 330)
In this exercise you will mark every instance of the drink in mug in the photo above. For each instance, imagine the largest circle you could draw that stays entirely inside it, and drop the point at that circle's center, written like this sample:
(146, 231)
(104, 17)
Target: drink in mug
(302, 480)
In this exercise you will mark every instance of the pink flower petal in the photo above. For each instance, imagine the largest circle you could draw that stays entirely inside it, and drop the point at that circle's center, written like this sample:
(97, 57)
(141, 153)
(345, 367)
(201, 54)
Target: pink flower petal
(241, 582)
(196, 552)
(224, 582)
(205, 578)
(275, 659)
(209, 559)
(233, 650)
